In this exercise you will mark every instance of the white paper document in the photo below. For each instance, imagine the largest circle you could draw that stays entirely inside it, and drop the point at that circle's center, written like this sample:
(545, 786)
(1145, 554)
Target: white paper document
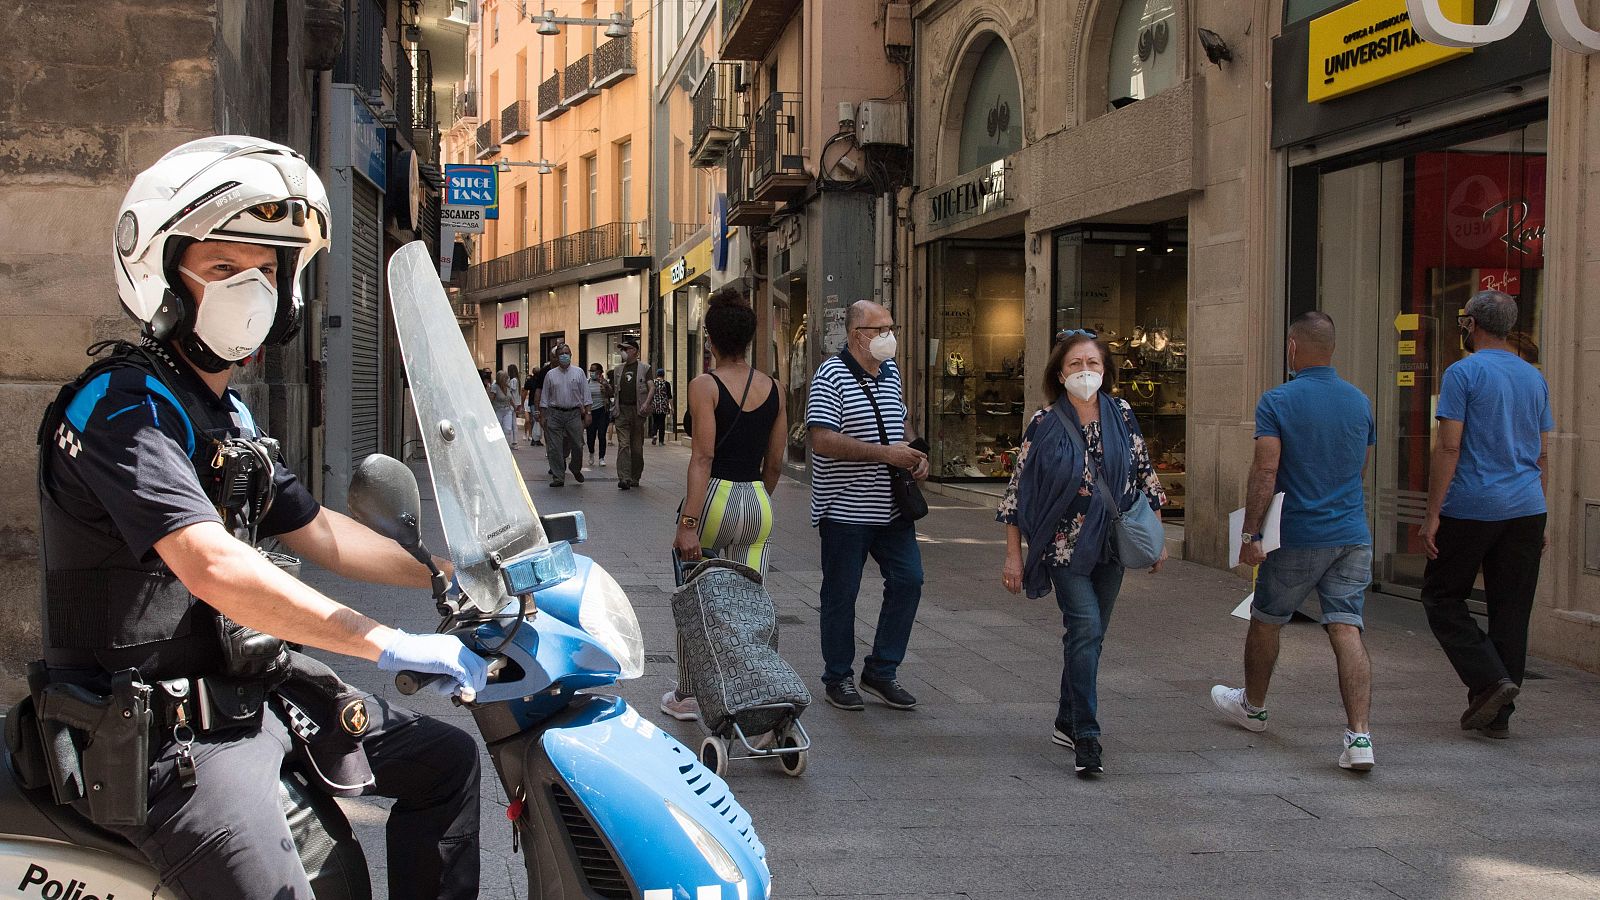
(1270, 539)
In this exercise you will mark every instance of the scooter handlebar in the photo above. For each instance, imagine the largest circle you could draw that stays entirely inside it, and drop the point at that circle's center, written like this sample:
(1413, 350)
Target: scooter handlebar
(409, 682)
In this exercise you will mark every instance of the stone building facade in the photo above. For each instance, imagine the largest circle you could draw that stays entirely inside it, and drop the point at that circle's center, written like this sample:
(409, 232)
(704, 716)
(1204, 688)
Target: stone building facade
(1185, 176)
(87, 100)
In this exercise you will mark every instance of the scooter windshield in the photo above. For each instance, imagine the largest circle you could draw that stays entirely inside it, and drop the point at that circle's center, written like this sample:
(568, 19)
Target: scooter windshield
(483, 503)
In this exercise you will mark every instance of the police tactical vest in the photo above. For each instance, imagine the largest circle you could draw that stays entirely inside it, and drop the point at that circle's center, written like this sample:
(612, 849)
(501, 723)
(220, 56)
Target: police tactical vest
(97, 613)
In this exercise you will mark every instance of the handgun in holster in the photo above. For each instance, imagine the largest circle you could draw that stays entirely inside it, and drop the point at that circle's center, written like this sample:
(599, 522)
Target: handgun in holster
(97, 748)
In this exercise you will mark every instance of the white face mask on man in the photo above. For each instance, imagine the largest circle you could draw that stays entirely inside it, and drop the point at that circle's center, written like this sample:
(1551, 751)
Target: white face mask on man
(1082, 385)
(883, 346)
(236, 313)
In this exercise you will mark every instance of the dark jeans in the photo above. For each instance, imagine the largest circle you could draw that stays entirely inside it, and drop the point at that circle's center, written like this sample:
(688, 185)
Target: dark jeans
(845, 548)
(658, 427)
(227, 836)
(599, 421)
(1508, 551)
(1086, 602)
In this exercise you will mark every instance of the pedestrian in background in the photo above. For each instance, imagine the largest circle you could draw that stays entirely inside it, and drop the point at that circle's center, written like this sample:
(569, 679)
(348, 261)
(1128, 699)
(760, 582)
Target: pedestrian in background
(1085, 435)
(739, 431)
(635, 394)
(1313, 441)
(504, 402)
(519, 409)
(599, 413)
(660, 408)
(564, 413)
(856, 418)
(1486, 510)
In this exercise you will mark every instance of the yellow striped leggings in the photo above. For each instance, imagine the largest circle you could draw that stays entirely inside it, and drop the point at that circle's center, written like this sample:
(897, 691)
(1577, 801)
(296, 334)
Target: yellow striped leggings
(735, 524)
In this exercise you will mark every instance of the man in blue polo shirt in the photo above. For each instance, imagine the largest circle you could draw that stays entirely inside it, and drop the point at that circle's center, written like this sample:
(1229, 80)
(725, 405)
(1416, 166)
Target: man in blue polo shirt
(1313, 440)
(1486, 510)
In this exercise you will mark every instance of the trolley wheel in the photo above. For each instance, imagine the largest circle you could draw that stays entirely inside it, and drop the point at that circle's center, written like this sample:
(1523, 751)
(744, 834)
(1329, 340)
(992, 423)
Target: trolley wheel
(714, 754)
(794, 764)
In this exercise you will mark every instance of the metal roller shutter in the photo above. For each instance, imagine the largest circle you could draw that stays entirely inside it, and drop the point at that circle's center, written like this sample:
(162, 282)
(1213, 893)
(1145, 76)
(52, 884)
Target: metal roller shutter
(366, 302)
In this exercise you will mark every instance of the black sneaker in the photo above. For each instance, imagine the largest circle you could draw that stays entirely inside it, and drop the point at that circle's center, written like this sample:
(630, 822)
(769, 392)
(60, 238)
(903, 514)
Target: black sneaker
(556, 482)
(890, 692)
(1062, 736)
(622, 484)
(1088, 756)
(843, 695)
(577, 474)
(1485, 707)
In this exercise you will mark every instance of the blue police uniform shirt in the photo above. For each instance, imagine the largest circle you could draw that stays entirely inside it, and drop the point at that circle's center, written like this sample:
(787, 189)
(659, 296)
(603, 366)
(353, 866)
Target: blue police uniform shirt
(1325, 425)
(1503, 404)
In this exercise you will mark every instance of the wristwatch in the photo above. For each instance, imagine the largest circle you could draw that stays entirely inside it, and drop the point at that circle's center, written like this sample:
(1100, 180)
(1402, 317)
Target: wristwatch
(688, 522)
(1251, 538)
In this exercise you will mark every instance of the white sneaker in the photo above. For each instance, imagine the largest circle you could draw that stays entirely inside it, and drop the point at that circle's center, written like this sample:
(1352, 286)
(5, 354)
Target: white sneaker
(602, 462)
(1230, 702)
(1357, 753)
(685, 710)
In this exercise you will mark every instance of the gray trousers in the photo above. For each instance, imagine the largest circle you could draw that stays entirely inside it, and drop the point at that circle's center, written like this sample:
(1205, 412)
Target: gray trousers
(563, 440)
(227, 836)
(630, 443)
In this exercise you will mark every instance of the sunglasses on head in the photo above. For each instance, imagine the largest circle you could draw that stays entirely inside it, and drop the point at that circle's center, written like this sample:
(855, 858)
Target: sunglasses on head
(1067, 333)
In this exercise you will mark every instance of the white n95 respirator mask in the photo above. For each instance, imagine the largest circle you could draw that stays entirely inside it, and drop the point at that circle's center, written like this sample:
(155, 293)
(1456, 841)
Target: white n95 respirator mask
(1082, 385)
(883, 347)
(235, 313)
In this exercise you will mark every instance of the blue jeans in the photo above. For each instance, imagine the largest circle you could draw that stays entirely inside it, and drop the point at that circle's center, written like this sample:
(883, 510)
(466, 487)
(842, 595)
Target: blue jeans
(1085, 602)
(845, 548)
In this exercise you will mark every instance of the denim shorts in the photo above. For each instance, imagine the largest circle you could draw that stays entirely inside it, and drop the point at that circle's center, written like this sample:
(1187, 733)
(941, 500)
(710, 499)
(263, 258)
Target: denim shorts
(1340, 576)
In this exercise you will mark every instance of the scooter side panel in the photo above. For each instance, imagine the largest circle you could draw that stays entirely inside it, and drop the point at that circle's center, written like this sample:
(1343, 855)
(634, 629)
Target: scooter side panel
(49, 870)
(620, 767)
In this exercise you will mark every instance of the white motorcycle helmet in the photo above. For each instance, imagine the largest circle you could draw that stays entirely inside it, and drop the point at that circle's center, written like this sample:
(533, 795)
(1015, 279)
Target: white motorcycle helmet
(225, 188)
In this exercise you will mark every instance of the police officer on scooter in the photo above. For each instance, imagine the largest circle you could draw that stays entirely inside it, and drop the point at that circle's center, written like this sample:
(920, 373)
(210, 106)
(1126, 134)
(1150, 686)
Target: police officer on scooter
(155, 483)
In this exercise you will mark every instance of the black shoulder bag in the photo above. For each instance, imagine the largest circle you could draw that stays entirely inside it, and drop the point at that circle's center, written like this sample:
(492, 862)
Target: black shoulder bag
(903, 486)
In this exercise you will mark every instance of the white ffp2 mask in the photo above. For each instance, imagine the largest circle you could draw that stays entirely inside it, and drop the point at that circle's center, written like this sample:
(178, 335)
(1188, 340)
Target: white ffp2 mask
(1082, 385)
(883, 346)
(236, 313)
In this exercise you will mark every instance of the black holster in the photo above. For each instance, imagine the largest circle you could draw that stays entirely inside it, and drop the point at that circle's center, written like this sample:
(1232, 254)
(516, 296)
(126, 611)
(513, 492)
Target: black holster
(97, 747)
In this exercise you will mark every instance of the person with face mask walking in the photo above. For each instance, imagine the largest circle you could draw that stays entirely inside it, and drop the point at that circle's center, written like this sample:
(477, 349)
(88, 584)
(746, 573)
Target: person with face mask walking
(856, 418)
(631, 384)
(1486, 510)
(1079, 454)
(563, 401)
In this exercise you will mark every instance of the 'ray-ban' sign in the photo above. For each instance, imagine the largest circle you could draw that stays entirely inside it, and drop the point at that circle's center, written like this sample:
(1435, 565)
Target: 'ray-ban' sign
(1561, 20)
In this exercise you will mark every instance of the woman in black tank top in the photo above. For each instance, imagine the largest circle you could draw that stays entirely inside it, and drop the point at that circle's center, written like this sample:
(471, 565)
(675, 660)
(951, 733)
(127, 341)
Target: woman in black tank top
(738, 427)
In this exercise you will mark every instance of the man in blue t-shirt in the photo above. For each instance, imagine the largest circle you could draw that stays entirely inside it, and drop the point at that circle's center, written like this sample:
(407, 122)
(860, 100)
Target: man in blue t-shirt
(1313, 439)
(1486, 510)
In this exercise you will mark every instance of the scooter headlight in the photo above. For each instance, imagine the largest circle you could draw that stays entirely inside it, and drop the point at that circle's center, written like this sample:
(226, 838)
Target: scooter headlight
(709, 846)
(608, 616)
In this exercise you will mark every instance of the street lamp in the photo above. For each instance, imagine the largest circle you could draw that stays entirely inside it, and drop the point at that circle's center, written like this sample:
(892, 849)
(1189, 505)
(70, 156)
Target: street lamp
(544, 165)
(550, 24)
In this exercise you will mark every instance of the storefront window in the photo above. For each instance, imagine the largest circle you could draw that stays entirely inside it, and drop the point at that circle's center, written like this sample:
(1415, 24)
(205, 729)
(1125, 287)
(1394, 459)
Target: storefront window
(1397, 248)
(1130, 287)
(991, 124)
(1144, 51)
(975, 382)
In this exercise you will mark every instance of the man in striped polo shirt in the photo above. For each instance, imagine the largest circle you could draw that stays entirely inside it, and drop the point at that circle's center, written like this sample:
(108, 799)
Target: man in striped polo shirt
(853, 508)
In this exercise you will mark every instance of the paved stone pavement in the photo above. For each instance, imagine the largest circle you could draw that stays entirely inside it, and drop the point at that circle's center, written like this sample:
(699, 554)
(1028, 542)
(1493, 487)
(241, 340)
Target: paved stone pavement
(967, 798)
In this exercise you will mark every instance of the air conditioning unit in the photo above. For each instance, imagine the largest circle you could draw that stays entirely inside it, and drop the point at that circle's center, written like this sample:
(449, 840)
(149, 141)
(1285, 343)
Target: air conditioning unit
(881, 123)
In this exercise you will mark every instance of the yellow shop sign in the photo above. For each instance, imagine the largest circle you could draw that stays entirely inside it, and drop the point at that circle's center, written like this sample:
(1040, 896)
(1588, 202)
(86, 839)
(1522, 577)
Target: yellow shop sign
(1370, 42)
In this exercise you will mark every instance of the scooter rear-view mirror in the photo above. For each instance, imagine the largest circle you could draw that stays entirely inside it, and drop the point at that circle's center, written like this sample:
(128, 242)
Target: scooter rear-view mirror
(383, 496)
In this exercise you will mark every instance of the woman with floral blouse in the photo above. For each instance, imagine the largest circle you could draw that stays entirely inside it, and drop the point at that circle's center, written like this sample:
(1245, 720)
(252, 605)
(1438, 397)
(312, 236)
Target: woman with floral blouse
(1055, 506)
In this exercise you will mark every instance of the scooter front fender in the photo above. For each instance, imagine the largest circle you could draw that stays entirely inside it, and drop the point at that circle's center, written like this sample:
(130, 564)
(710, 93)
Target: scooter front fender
(623, 771)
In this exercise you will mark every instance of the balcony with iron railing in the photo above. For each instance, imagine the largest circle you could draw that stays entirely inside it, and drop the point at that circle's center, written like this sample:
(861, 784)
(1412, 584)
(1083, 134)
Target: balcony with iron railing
(514, 122)
(613, 61)
(550, 105)
(718, 113)
(743, 207)
(751, 27)
(578, 82)
(464, 105)
(594, 245)
(779, 165)
(488, 138)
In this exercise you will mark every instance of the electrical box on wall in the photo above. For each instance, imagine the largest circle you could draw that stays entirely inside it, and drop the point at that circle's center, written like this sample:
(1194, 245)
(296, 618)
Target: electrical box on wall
(897, 26)
(881, 123)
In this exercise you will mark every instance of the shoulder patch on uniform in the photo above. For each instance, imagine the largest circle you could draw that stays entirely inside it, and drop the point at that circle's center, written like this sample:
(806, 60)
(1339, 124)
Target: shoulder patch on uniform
(68, 440)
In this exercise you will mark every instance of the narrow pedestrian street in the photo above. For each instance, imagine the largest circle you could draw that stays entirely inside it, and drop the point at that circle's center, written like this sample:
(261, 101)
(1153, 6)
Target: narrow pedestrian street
(967, 797)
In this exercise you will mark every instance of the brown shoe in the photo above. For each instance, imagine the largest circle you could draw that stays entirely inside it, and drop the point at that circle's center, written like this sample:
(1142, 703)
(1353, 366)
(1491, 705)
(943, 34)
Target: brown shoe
(1486, 706)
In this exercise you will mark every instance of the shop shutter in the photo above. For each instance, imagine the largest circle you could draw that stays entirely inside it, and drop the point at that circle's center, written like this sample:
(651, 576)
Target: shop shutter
(366, 297)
